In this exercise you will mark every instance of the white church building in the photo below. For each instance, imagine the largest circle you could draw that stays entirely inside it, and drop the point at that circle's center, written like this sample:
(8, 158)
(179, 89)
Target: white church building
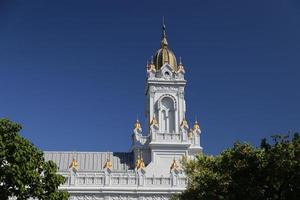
(151, 169)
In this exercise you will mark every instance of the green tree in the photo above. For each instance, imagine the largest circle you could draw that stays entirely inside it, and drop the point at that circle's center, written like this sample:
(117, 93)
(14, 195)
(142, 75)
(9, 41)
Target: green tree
(24, 173)
(269, 172)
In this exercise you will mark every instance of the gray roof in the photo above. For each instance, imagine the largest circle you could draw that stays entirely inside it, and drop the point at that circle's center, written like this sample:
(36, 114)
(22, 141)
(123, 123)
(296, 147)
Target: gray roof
(90, 161)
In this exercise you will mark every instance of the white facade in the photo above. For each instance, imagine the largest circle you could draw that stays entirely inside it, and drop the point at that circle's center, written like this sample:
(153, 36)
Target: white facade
(151, 169)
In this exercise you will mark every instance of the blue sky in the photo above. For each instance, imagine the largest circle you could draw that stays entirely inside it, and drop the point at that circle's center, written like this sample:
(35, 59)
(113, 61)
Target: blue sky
(73, 72)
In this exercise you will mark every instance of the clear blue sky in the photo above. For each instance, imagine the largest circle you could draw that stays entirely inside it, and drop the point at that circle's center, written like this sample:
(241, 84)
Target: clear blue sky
(73, 72)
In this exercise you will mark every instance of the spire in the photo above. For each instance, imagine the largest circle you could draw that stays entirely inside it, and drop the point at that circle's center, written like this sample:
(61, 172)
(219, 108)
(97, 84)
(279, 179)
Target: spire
(164, 54)
(151, 66)
(180, 68)
(196, 126)
(180, 61)
(164, 42)
(137, 125)
(151, 61)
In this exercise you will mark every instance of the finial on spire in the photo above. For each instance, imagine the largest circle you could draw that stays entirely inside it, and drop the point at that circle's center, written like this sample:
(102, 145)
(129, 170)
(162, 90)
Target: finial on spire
(196, 126)
(180, 68)
(137, 125)
(164, 42)
(151, 66)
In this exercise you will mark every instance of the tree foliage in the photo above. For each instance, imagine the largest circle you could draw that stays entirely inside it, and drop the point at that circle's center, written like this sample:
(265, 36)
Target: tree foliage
(24, 173)
(269, 172)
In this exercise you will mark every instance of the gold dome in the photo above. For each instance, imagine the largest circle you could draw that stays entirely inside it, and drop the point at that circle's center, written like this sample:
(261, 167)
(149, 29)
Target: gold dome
(164, 54)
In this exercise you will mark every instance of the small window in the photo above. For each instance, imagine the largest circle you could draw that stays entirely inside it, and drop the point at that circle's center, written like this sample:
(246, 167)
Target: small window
(167, 74)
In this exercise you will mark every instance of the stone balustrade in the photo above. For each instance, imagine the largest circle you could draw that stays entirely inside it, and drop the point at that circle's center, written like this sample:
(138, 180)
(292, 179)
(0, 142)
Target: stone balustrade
(170, 137)
(119, 179)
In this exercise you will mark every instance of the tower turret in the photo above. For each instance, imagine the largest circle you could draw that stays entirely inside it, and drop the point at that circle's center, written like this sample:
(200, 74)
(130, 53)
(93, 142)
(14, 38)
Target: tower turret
(168, 136)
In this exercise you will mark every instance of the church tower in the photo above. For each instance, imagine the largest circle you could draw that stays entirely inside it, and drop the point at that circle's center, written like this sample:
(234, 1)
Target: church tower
(169, 137)
(152, 168)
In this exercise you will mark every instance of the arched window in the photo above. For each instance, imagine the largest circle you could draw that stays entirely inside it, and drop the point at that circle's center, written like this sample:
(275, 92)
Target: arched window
(167, 115)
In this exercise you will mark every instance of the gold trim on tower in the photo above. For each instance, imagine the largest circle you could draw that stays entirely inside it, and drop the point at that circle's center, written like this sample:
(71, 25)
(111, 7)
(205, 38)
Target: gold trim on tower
(196, 126)
(180, 67)
(151, 66)
(164, 54)
(153, 121)
(190, 134)
(137, 125)
(184, 123)
(139, 164)
(174, 165)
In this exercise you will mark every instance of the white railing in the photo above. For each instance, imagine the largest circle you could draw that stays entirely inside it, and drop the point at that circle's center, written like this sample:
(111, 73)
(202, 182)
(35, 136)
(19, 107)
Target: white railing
(170, 137)
(125, 179)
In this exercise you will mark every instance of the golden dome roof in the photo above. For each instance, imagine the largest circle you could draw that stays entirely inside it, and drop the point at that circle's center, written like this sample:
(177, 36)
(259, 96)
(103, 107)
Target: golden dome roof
(164, 54)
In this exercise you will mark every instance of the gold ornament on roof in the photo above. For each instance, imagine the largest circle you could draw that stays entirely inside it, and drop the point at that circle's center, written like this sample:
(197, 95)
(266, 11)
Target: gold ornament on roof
(137, 125)
(153, 121)
(184, 123)
(108, 164)
(196, 126)
(180, 67)
(74, 164)
(174, 165)
(142, 164)
(139, 164)
(151, 66)
(190, 135)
